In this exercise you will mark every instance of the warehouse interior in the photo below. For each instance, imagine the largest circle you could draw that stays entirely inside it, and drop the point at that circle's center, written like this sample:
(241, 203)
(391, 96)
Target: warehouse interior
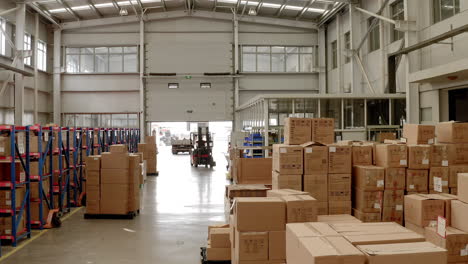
(233, 131)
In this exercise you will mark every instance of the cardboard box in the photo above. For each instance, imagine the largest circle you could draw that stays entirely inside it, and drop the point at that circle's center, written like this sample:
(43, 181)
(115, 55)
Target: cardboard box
(368, 201)
(118, 148)
(34, 188)
(323, 130)
(315, 158)
(219, 237)
(300, 208)
(284, 192)
(114, 199)
(440, 155)
(93, 207)
(415, 228)
(419, 156)
(316, 185)
(367, 217)
(93, 163)
(93, 192)
(114, 160)
(463, 186)
(391, 155)
(93, 177)
(369, 178)
(454, 170)
(362, 154)
(394, 198)
(297, 130)
(6, 198)
(395, 178)
(458, 153)
(5, 144)
(417, 180)
(454, 191)
(440, 175)
(277, 245)
(218, 254)
(393, 214)
(459, 213)
(295, 231)
(326, 249)
(339, 207)
(5, 172)
(339, 187)
(455, 242)
(285, 181)
(337, 219)
(35, 211)
(447, 198)
(339, 159)
(260, 214)
(251, 245)
(322, 208)
(115, 176)
(288, 159)
(418, 134)
(422, 210)
(452, 132)
(253, 171)
(404, 253)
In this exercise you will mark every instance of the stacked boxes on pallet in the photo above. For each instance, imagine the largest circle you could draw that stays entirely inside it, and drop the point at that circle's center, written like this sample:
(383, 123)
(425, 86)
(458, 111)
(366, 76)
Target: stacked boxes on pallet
(150, 152)
(339, 179)
(93, 184)
(219, 244)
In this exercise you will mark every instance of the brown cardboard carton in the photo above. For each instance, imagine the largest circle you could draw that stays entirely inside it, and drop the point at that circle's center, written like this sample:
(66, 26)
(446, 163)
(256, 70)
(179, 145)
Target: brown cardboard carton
(422, 210)
(459, 213)
(339, 159)
(294, 231)
(323, 130)
(93, 178)
(253, 171)
(114, 199)
(463, 186)
(447, 198)
(440, 155)
(415, 228)
(391, 155)
(339, 207)
(300, 208)
(454, 191)
(315, 158)
(118, 148)
(260, 214)
(5, 144)
(35, 211)
(418, 134)
(93, 163)
(316, 185)
(369, 178)
(34, 188)
(362, 154)
(93, 192)
(288, 159)
(417, 180)
(93, 207)
(404, 253)
(284, 192)
(218, 254)
(286, 181)
(368, 201)
(339, 187)
(367, 217)
(455, 242)
(277, 245)
(439, 175)
(6, 201)
(395, 178)
(219, 237)
(394, 198)
(454, 170)
(322, 208)
(452, 132)
(337, 219)
(114, 160)
(246, 190)
(458, 153)
(117, 176)
(331, 249)
(297, 130)
(251, 245)
(392, 214)
(419, 156)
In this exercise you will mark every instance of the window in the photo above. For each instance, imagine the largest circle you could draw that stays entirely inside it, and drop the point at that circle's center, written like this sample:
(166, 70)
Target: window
(347, 45)
(102, 59)
(398, 13)
(41, 55)
(444, 9)
(2, 37)
(334, 57)
(374, 35)
(173, 85)
(27, 46)
(278, 59)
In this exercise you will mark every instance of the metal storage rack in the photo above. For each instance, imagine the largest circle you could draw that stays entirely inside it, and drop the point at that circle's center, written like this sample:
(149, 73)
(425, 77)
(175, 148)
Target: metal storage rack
(19, 153)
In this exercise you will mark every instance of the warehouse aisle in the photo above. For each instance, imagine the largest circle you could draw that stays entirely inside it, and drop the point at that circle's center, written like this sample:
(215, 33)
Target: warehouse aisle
(177, 208)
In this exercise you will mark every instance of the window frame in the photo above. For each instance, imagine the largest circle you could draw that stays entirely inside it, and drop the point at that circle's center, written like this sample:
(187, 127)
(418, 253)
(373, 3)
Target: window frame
(347, 45)
(28, 45)
(334, 54)
(42, 52)
(3, 37)
(397, 14)
(374, 33)
(438, 18)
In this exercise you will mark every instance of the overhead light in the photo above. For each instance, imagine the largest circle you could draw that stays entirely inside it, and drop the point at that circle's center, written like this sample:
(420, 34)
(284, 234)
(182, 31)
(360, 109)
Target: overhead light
(123, 12)
(252, 12)
(205, 85)
(173, 85)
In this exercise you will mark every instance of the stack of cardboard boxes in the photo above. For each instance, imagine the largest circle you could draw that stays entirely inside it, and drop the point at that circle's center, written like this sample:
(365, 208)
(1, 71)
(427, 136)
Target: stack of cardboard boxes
(93, 184)
(368, 183)
(219, 244)
(150, 152)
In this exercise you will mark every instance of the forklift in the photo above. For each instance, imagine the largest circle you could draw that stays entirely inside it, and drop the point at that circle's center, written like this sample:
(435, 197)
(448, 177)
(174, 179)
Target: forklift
(202, 148)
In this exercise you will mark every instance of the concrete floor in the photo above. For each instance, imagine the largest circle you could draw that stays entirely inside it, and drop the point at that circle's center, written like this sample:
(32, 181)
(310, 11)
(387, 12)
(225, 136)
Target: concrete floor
(176, 209)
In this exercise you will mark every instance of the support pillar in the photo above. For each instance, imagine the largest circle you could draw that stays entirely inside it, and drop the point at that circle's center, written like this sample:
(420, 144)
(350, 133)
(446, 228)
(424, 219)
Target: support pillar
(19, 78)
(57, 76)
(142, 82)
(36, 76)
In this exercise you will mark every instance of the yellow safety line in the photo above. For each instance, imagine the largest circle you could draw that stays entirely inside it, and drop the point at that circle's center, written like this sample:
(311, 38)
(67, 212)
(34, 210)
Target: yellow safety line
(29, 241)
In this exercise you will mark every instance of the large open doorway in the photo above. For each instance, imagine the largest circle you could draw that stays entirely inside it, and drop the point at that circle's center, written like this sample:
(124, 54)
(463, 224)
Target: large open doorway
(458, 105)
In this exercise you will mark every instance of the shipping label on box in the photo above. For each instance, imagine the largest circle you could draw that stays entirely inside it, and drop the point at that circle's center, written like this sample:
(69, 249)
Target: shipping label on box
(439, 174)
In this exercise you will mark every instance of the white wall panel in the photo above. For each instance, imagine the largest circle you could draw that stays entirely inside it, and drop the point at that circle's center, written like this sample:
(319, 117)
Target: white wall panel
(99, 102)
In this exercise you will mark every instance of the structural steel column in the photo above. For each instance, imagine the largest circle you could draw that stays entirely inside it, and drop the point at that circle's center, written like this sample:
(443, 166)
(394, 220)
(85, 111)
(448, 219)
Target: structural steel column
(142, 80)
(36, 76)
(19, 78)
(57, 76)
(236, 59)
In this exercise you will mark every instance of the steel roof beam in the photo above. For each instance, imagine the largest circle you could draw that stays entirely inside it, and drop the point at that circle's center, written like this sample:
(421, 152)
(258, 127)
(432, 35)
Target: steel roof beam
(305, 8)
(260, 4)
(93, 7)
(69, 10)
(283, 6)
(43, 13)
(163, 3)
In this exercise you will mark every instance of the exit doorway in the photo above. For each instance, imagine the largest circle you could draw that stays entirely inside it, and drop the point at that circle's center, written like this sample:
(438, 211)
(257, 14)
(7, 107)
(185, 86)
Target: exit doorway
(458, 105)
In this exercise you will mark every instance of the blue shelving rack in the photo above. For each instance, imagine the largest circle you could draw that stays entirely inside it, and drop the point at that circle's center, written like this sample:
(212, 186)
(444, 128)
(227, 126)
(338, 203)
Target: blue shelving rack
(19, 153)
(254, 140)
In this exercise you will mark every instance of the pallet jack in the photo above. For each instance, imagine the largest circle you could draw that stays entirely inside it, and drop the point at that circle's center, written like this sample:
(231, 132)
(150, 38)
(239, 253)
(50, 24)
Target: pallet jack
(53, 218)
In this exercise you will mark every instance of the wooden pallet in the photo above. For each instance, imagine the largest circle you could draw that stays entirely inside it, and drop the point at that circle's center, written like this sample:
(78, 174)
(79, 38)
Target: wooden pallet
(204, 261)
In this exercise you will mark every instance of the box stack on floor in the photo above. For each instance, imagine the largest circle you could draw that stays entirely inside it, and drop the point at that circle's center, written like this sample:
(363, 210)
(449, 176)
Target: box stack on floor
(219, 244)
(150, 154)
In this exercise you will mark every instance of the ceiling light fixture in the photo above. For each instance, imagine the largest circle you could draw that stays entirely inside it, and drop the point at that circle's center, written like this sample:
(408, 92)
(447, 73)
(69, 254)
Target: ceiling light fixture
(252, 12)
(123, 12)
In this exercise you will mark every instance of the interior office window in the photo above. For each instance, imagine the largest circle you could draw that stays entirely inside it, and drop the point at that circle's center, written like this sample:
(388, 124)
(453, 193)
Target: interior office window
(292, 59)
(263, 59)
(374, 35)
(278, 61)
(306, 62)
(102, 59)
(398, 13)
(347, 45)
(27, 46)
(2, 37)
(444, 9)
(41, 55)
(334, 56)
